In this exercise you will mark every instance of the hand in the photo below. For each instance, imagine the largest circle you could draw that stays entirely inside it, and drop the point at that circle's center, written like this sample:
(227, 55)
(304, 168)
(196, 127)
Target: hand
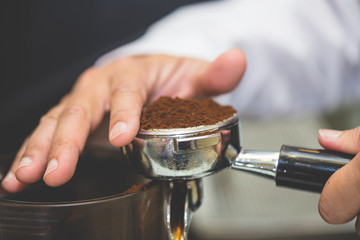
(340, 198)
(122, 87)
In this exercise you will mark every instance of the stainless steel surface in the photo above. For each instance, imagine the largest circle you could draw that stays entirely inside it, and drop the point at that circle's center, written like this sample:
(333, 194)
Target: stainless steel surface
(184, 198)
(259, 162)
(294, 167)
(94, 205)
(185, 153)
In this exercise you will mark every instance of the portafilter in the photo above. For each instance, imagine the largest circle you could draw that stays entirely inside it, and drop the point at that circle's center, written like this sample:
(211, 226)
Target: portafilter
(195, 152)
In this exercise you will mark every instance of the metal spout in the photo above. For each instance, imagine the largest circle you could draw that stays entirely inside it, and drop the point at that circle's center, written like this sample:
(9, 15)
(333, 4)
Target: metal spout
(259, 162)
(184, 197)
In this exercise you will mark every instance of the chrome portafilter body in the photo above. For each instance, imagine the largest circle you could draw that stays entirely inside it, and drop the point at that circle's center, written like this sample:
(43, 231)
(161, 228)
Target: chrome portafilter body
(185, 153)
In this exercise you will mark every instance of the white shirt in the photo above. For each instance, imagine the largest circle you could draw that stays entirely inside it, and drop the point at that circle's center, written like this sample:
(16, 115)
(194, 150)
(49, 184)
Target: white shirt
(302, 56)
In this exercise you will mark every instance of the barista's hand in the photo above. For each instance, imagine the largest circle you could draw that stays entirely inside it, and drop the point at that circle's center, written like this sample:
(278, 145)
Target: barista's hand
(122, 88)
(340, 198)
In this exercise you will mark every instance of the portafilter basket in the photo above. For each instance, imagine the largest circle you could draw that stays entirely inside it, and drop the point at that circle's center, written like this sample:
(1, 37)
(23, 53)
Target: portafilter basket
(185, 153)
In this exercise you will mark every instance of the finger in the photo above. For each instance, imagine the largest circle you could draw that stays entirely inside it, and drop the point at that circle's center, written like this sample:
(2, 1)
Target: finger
(33, 161)
(10, 183)
(340, 199)
(82, 113)
(357, 225)
(223, 74)
(344, 141)
(127, 98)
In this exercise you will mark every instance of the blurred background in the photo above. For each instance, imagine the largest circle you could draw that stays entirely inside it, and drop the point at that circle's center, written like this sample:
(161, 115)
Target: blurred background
(45, 45)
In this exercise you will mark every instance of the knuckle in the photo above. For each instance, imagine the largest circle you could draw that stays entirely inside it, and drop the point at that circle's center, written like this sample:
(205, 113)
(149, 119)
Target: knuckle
(48, 118)
(123, 63)
(88, 76)
(128, 91)
(126, 111)
(75, 110)
(122, 108)
(90, 72)
(121, 90)
(51, 115)
(127, 68)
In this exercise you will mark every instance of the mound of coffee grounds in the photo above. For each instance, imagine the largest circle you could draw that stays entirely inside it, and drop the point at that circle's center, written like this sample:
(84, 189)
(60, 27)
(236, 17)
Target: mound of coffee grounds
(168, 112)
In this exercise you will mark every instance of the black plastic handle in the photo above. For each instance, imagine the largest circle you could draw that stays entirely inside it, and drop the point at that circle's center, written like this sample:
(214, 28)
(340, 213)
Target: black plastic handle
(308, 169)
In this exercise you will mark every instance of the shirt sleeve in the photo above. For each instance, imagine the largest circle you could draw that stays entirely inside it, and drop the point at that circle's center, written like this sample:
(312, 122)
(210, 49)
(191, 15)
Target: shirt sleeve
(301, 58)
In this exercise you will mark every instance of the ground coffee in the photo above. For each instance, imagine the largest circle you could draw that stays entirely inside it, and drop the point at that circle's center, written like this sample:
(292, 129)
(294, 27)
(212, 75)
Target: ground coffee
(168, 112)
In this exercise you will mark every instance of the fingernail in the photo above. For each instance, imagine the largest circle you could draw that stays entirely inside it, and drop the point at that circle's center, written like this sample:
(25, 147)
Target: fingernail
(9, 177)
(118, 128)
(329, 133)
(52, 165)
(24, 162)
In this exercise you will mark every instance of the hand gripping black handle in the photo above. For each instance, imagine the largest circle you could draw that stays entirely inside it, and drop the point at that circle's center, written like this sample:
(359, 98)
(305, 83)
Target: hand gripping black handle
(308, 169)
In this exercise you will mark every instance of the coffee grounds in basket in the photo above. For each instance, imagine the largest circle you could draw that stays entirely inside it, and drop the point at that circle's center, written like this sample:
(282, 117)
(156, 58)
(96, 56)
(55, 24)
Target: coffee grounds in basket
(168, 112)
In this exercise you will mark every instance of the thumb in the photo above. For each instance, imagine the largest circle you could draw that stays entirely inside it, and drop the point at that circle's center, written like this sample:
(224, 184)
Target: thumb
(343, 141)
(340, 199)
(223, 74)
